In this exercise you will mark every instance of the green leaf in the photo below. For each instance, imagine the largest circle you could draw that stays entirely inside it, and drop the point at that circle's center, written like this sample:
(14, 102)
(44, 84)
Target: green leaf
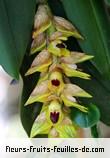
(28, 115)
(86, 119)
(16, 20)
(107, 1)
(91, 19)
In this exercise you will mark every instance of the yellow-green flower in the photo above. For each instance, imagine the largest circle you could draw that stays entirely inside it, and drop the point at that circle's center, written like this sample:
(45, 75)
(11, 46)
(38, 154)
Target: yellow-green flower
(64, 26)
(54, 122)
(69, 67)
(40, 63)
(55, 88)
(42, 20)
(57, 35)
(57, 48)
(75, 57)
(39, 94)
(47, 89)
(67, 60)
(69, 93)
(70, 71)
(38, 43)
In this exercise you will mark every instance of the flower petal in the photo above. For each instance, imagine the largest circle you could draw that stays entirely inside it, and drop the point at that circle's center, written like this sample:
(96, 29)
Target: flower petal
(40, 98)
(70, 103)
(65, 52)
(66, 131)
(42, 20)
(70, 72)
(52, 48)
(75, 57)
(74, 90)
(40, 63)
(39, 94)
(66, 27)
(66, 121)
(43, 77)
(38, 43)
(58, 36)
(40, 126)
(53, 133)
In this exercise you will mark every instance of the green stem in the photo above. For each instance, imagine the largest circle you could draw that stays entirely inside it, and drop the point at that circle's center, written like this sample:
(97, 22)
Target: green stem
(95, 131)
(51, 30)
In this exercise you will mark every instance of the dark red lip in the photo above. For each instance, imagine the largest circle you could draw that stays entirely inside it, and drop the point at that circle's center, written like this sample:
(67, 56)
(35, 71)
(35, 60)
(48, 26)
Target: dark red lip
(55, 82)
(54, 116)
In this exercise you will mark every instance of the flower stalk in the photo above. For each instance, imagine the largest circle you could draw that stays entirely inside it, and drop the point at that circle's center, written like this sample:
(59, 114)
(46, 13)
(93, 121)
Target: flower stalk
(56, 64)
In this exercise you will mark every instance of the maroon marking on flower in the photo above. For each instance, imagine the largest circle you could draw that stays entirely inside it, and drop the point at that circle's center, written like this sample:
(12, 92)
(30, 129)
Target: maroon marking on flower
(54, 116)
(61, 45)
(55, 82)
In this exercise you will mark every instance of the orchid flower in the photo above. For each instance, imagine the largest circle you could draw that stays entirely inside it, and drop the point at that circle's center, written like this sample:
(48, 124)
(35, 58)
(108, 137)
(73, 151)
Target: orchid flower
(52, 121)
(55, 88)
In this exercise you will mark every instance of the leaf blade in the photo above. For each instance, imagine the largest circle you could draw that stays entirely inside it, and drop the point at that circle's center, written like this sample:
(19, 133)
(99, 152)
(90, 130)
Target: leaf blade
(95, 28)
(86, 120)
(15, 29)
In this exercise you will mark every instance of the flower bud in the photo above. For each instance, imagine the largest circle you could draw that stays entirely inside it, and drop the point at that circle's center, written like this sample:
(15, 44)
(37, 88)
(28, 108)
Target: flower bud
(42, 20)
(64, 26)
(38, 43)
(40, 63)
(75, 57)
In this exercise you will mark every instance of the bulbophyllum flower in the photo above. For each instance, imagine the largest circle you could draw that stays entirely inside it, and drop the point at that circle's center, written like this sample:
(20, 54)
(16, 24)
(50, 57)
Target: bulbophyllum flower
(38, 43)
(57, 48)
(68, 64)
(75, 57)
(47, 89)
(64, 26)
(39, 94)
(40, 63)
(54, 122)
(70, 71)
(58, 36)
(67, 60)
(69, 93)
(42, 20)
(55, 88)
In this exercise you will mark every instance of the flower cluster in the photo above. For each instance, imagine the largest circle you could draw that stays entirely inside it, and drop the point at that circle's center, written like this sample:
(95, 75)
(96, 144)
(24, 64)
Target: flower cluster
(55, 64)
